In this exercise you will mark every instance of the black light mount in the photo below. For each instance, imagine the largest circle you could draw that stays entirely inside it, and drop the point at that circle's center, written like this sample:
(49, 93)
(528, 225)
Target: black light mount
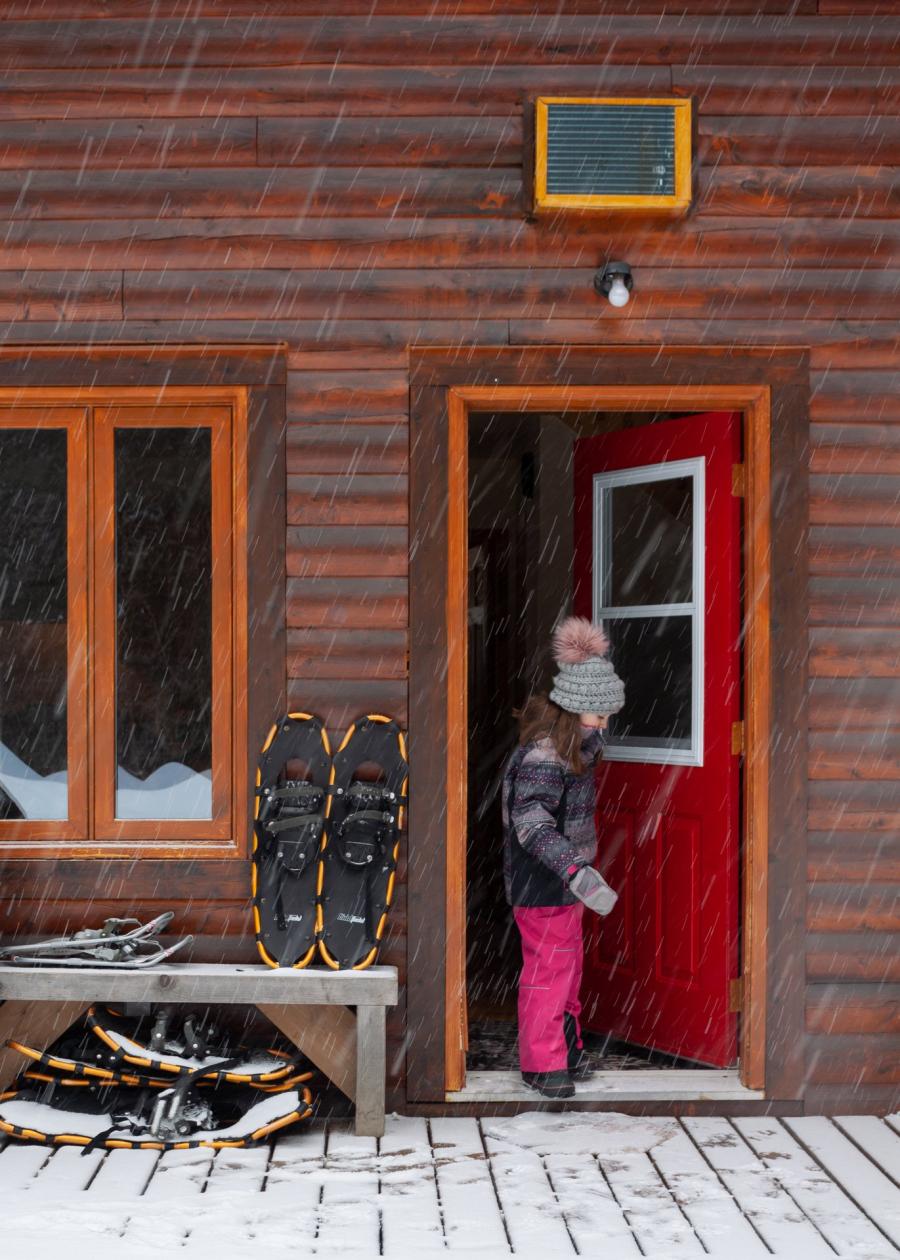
(615, 282)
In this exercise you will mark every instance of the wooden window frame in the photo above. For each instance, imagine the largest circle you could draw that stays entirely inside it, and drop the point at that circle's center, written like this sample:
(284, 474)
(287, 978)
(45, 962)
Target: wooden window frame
(770, 387)
(250, 381)
(74, 420)
(677, 202)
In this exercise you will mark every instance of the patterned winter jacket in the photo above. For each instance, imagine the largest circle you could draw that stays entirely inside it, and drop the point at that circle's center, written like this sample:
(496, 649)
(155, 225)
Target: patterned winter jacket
(548, 822)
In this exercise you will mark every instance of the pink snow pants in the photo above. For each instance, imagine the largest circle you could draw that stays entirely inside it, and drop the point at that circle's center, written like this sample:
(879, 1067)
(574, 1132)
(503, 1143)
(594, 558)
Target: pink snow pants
(552, 957)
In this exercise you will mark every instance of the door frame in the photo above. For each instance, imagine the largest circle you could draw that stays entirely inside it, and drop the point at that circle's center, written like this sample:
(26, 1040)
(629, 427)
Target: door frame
(770, 387)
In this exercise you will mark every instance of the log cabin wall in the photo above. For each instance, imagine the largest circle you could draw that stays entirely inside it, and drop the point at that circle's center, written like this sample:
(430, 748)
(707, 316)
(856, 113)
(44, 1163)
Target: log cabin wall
(348, 178)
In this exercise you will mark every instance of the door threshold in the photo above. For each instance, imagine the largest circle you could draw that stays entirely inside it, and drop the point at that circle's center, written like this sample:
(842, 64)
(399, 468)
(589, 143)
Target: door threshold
(644, 1085)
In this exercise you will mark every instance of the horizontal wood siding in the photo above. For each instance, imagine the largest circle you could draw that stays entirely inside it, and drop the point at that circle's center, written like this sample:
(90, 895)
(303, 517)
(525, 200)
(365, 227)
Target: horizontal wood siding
(346, 177)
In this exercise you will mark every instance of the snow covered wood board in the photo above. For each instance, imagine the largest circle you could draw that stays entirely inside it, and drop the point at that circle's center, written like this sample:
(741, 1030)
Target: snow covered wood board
(770, 1208)
(848, 1229)
(706, 1202)
(863, 1181)
(472, 1218)
(349, 1217)
(534, 1185)
(876, 1139)
(410, 1209)
(235, 1183)
(71, 1170)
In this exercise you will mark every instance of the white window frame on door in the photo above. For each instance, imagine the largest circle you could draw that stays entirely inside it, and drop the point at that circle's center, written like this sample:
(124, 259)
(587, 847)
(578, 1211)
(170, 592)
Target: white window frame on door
(603, 483)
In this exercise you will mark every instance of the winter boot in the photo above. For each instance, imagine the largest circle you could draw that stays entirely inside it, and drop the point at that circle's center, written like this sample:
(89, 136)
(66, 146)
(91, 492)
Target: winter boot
(550, 1084)
(580, 1068)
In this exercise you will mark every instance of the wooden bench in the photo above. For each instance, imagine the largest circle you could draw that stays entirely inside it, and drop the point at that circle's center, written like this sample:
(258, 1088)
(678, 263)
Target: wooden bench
(309, 1007)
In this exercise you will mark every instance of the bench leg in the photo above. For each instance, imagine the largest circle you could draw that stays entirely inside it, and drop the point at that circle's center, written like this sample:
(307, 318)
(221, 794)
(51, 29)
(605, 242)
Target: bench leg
(371, 1065)
(35, 1024)
(326, 1035)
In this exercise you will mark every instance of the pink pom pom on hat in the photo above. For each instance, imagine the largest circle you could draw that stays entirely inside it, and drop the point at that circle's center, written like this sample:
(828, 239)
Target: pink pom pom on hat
(576, 640)
(586, 681)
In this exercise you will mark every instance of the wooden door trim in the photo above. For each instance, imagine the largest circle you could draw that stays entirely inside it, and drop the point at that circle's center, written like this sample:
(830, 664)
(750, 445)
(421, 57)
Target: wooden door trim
(442, 396)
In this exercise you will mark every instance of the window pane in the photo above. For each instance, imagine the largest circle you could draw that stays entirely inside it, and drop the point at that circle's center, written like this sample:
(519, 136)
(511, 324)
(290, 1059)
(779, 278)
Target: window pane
(652, 655)
(33, 616)
(164, 623)
(650, 543)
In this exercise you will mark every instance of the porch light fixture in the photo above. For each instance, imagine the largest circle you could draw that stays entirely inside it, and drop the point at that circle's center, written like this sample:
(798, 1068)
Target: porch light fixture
(615, 282)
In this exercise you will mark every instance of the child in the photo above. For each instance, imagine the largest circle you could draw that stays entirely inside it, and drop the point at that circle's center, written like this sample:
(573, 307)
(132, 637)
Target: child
(549, 844)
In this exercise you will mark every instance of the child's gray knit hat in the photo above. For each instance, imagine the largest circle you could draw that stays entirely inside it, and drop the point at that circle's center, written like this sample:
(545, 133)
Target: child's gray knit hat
(586, 682)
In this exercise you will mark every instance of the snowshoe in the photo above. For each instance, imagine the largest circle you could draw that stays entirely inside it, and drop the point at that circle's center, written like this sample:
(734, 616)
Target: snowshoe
(359, 857)
(118, 943)
(79, 1057)
(287, 836)
(114, 1117)
(155, 1048)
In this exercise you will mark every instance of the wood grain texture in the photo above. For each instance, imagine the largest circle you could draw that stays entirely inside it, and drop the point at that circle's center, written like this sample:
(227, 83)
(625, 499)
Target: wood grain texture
(692, 292)
(351, 181)
(472, 40)
(338, 241)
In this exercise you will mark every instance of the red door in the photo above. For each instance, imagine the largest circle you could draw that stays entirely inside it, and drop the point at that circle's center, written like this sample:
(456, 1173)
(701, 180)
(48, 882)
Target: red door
(657, 560)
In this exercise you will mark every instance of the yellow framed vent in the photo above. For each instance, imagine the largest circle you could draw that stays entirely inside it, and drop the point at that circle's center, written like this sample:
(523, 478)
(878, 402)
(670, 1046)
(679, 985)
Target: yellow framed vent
(612, 153)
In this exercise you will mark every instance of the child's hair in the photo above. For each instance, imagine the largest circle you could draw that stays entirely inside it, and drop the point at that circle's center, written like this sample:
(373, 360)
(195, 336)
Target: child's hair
(540, 718)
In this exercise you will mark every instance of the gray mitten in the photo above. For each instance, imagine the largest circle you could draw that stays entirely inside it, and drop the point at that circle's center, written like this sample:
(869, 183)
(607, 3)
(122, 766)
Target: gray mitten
(589, 886)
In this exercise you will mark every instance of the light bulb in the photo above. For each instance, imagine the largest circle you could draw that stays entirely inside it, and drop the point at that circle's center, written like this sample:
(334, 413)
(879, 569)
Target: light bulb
(618, 292)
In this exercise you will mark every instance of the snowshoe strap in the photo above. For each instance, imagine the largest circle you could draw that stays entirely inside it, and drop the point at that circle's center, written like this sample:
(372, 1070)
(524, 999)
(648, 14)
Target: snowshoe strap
(292, 789)
(288, 821)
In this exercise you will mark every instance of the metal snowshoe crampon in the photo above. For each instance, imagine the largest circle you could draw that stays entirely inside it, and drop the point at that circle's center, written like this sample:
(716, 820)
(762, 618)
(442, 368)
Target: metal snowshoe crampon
(170, 1042)
(118, 943)
(291, 802)
(365, 816)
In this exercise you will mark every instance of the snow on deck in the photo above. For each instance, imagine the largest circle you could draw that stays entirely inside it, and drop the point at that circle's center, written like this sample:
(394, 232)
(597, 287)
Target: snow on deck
(538, 1186)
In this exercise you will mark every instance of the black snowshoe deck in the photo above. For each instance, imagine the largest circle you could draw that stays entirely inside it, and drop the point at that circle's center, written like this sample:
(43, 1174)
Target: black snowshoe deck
(362, 841)
(180, 1117)
(287, 837)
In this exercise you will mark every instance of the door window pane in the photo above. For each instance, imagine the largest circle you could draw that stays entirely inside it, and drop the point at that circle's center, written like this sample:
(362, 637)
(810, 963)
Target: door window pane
(649, 542)
(653, 657)
(33, 624)
(164, 623)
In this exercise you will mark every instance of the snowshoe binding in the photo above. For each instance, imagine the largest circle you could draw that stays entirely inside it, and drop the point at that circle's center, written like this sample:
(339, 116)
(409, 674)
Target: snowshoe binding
(290, 811)
(169, 1044)
(359, 857)
(179, 1117)
(122, 943)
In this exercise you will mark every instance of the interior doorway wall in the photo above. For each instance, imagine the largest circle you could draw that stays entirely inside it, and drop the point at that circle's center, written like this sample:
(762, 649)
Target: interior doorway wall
(521, 582)
(446, 387)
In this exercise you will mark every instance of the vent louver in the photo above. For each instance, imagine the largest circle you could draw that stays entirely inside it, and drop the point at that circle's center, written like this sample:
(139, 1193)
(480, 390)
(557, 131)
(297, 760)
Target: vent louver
(612, 153)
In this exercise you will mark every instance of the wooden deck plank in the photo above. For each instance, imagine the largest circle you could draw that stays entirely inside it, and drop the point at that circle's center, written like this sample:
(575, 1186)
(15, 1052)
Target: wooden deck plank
(878, 1140)
(235, 1181)
(20, 1163)
(472, 1216)
(659, 1224)
(531, 1210)
(705, 1201)
(848, 1230)
(124, 1175)
(294, 1184)
(410, 1209)
(348, 1211)
(773, 1212)
(588, 1205)
(70, 1171)
(165, 1210)
(865, 1183)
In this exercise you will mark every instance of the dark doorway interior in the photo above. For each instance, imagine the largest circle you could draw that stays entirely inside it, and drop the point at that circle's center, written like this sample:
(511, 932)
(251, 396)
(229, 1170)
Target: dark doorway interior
(520, 583)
